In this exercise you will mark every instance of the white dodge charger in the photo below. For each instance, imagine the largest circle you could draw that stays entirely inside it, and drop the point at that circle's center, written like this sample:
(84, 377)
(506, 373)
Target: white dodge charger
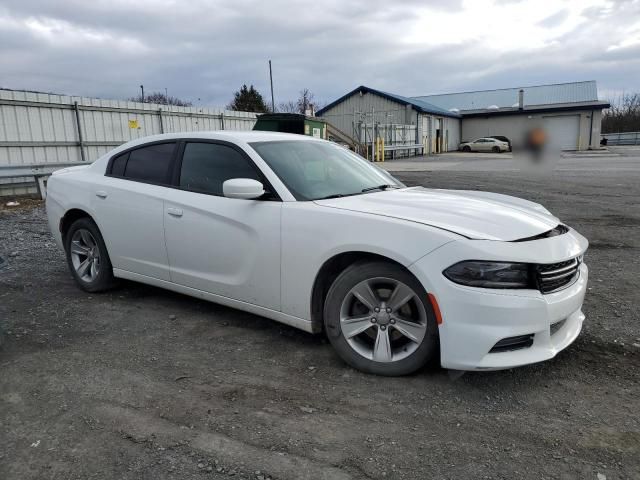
(305, 232)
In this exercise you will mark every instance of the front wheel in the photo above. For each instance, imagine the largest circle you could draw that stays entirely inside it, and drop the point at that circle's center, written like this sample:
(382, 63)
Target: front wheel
(378, 319)
(466, 148)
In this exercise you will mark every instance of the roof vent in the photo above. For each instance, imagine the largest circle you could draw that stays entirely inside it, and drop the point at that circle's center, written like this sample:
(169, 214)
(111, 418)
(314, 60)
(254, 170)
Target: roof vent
(521, 99)
(493, 107)
(454, 110)
(515, 105)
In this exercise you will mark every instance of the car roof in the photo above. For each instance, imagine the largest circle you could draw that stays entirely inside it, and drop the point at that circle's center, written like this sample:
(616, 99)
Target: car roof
(229, 135)
(236, 136)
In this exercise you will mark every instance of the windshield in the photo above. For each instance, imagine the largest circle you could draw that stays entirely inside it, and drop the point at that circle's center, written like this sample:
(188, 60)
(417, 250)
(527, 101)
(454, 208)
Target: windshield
(315, 170)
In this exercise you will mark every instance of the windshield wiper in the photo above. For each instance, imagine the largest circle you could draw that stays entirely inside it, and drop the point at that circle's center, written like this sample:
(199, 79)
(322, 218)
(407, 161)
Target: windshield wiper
(378, 187)
(335, 195)
(364, 190)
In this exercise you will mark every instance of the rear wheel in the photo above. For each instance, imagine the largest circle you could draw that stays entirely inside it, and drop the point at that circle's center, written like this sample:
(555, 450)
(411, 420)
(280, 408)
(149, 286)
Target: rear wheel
(378, 319)
(87, 256)
(496, 149)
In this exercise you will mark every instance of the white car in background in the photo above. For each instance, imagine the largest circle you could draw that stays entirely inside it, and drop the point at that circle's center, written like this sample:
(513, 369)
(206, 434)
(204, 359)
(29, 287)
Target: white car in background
(485, 144)
(307, 233)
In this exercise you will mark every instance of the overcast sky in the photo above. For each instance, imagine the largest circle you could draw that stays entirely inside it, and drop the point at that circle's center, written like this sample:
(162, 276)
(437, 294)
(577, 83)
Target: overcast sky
(206, 49)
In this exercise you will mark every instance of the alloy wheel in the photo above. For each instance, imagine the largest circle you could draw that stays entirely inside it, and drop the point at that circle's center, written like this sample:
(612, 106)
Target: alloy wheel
(85, 255)
(383, 319)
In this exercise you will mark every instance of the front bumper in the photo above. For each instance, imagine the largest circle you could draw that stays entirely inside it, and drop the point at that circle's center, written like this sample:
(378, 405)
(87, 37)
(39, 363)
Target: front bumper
(474, 320)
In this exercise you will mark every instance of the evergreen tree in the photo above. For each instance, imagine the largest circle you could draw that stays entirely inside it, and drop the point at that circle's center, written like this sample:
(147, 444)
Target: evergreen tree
(248, 99)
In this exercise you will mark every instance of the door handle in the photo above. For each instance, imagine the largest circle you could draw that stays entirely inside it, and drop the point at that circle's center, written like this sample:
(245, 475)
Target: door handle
(101, 194)
(174, 212)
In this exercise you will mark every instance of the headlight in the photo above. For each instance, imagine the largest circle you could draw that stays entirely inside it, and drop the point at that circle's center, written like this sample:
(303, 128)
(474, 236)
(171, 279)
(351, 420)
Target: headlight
(475, 273)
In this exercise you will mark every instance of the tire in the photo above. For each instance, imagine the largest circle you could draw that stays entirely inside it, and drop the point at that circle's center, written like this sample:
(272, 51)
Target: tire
(496, 150)
(87, 256)
(379, 346)
(466, 148)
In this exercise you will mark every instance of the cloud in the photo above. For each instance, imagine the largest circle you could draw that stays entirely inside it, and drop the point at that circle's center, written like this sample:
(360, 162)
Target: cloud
(205, 49)
(555, 19)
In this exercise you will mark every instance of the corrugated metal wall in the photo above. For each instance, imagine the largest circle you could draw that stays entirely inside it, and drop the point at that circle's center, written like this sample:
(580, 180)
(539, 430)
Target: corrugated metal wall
(357, 114)
(404, 125)
(367, 108)
(42, 129)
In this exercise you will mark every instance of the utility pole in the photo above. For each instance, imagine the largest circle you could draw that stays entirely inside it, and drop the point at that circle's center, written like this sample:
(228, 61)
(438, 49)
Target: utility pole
(142, 89)
(273, 103)
(166, 95)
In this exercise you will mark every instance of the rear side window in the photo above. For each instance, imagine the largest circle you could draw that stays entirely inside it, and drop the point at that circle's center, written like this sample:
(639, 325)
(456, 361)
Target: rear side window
(147, 164)
(206, 166)
(118, 165)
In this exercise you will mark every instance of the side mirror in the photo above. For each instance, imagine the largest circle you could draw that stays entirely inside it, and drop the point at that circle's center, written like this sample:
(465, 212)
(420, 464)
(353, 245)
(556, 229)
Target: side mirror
(245, 188)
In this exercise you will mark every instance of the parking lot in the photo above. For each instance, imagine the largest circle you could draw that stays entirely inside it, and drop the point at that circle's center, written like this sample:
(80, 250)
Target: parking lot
(141, 383)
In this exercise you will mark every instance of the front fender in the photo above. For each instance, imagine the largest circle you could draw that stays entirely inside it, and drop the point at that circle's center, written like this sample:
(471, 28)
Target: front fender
(313, 234)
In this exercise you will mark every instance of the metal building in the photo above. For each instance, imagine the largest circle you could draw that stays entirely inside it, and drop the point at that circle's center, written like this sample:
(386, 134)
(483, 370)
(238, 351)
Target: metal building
(406, 125)
(570, 112)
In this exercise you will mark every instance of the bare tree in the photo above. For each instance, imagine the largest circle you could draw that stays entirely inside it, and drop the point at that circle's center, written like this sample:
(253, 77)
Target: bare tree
(162, 99)
(305, 101)
(288, 107)
(623, 115)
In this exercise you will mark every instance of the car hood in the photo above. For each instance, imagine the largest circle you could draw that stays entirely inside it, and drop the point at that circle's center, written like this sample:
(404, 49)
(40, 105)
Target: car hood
(475, 215)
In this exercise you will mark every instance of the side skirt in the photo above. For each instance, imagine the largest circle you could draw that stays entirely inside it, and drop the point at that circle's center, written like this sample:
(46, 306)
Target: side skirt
(296, 322)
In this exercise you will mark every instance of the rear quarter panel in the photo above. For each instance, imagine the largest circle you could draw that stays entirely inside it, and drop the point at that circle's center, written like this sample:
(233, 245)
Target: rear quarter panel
(68, 189)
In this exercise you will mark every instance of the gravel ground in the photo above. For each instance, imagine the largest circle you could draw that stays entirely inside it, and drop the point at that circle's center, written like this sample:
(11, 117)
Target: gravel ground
(142, 383)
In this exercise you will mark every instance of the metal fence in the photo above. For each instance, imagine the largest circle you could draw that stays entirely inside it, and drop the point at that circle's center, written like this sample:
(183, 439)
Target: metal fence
(41, 132)
(622, 138)
(399, 139)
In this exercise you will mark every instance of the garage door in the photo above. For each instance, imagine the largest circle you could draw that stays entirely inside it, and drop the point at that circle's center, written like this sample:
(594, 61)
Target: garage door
(563, 131)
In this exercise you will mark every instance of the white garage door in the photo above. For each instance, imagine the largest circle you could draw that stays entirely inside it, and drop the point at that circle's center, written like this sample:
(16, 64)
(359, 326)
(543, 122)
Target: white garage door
(563, 131)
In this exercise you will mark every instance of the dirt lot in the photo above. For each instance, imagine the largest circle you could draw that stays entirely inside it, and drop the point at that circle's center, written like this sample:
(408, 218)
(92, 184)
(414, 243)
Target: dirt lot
(141, 383)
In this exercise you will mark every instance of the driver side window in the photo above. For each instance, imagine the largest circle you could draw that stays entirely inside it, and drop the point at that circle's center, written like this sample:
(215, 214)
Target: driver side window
(206, 166)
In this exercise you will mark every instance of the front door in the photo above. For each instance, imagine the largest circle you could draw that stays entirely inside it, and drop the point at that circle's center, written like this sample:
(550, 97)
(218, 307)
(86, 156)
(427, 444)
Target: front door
(481, 145)
(224, 246)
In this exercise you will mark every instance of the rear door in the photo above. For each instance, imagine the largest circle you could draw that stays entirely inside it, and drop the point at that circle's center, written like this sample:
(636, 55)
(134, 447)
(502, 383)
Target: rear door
(224, 246)
(129, 209)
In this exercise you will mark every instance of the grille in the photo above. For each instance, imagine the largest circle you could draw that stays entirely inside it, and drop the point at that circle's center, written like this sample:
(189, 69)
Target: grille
(513, 343)
(555, 276)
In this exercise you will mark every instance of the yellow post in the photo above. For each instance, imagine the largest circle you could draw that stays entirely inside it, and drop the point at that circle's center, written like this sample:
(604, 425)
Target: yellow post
(382, 149)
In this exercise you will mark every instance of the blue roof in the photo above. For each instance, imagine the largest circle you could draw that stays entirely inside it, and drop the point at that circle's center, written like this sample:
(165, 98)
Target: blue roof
(417, 104)
(538, 95)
